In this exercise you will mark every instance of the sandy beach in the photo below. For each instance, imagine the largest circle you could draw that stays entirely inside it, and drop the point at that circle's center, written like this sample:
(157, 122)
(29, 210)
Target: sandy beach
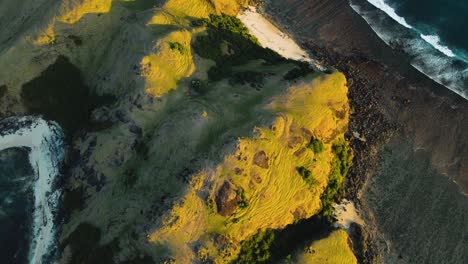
(273, 38)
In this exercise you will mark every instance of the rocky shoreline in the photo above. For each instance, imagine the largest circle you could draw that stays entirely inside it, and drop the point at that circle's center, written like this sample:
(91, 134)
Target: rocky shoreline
(368, 131)
(389, 100)
(45, 141)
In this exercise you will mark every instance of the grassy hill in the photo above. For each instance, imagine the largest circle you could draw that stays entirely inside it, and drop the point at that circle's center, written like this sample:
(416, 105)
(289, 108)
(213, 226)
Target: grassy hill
(209, 141)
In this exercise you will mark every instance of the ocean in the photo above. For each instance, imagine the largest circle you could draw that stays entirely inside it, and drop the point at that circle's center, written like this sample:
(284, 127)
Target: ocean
(432, 33)
(31, 151)
(16, 204)
(443, 22)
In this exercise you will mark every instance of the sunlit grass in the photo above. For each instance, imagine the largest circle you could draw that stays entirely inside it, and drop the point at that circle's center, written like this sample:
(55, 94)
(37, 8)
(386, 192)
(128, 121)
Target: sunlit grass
(71, 10)
(165, 68)
(334, 249)
(201, 8)
(47, 36)
(277, 195)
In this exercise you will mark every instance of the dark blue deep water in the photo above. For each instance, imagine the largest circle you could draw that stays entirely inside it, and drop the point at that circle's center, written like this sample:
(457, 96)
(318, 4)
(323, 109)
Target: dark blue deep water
(432, 32)
(447, 19)
(16, 202)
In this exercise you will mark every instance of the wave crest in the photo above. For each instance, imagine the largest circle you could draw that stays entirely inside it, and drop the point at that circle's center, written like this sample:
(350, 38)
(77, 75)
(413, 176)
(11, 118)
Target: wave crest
(434, 40)
(45, 141)
(427, 54)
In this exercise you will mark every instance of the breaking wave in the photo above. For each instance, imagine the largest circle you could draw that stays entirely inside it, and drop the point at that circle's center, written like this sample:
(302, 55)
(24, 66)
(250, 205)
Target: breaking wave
(428, 54)
(44, 139)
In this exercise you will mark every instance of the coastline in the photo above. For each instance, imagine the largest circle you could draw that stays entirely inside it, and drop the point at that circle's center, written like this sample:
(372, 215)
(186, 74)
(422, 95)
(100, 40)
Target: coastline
(45, 141)
(391, 102)
(390, 98)
(271, 36)
(437, 62)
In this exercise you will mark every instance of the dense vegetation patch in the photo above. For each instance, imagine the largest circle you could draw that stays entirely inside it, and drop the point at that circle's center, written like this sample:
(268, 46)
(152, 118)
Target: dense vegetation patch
(316, 145)
(306, 175)
(340, 165)
(302, 69)
(199, 86)
(273, 246)
(255, 79)
(177, 46)
(229, 43)
(257, 248)
(243, 203)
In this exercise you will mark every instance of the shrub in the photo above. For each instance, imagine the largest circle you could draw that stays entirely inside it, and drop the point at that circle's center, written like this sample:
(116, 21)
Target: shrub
(316, 145)
(306, 175)
(177, 46)
(248, 77)
(218, 73)
(344, 153)
(243, 203)
(302, 69)
(199, 86)
(228, 30)
(340, 165)
(257, 248)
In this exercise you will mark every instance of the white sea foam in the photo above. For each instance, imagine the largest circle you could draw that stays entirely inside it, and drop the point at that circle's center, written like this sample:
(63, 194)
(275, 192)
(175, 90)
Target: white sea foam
(45, 141)
(380, 4)
(428, 55)
(434, 40)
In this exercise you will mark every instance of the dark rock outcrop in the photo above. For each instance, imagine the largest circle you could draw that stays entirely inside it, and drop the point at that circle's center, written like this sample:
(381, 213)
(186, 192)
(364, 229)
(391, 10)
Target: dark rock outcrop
(260, 159)
(227, 199)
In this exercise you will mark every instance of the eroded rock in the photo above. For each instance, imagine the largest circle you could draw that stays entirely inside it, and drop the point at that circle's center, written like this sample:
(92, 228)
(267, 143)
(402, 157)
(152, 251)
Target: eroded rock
(260, 159)
(227, 199)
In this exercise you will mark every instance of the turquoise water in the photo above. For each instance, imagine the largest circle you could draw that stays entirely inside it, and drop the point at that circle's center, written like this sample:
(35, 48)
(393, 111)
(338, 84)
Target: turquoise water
(16, 202)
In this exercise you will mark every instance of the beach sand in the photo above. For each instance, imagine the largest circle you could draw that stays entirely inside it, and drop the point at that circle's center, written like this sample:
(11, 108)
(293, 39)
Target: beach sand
(345, 214)
(273, 38)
